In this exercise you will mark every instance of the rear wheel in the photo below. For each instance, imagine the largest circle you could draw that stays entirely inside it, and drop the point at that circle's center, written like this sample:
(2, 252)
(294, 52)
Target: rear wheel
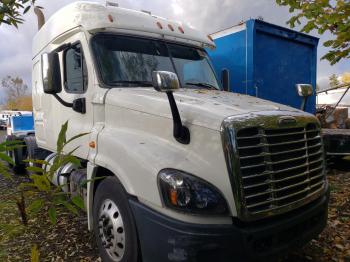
(16, 155)
(33, 152)
(114, 225)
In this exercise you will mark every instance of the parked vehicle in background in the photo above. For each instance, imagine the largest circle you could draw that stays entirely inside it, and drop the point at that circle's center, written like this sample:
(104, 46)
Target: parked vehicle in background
(20, 125)
(3, 119)
(333, 112)
(4, 116)
(185, 171)
(274, 63)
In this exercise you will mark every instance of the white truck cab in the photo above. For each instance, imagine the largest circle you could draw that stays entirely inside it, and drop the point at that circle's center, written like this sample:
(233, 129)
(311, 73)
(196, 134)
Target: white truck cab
(192, 173)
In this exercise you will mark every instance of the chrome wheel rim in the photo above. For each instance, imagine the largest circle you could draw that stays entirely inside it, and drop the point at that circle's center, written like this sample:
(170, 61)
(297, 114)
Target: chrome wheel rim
(111, 230)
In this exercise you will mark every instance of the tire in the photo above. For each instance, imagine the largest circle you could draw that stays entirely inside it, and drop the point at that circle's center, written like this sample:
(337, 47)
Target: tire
(17, 157)
(33, 151)
(30, 148)
(114, 225)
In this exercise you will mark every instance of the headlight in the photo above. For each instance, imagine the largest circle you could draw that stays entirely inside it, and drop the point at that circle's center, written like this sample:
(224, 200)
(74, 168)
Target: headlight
(184, 192)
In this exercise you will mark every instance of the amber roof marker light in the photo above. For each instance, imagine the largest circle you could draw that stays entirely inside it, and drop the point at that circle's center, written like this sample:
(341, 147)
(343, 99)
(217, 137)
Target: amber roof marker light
(171, 27)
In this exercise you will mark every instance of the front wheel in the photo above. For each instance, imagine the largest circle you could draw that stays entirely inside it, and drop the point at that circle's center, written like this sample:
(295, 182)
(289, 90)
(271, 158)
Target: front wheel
(114, 225)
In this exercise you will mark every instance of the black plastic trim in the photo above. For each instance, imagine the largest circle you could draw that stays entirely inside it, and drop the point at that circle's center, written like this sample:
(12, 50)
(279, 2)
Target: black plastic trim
(174, 240)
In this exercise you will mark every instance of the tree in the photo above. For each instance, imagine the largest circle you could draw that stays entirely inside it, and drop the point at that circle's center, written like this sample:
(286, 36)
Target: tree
(324, 15)
(23, 103)
(333, 80)
(15, 88)
(345, 78)
(11, 11)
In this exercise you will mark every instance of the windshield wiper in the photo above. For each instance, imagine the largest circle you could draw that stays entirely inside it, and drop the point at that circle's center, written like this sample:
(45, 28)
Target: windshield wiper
(142, 83)
(201, 85)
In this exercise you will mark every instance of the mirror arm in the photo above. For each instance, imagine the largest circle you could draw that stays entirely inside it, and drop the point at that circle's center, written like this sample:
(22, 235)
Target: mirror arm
(303, 103)
(59, 99)
(225, 79)
(181, 132)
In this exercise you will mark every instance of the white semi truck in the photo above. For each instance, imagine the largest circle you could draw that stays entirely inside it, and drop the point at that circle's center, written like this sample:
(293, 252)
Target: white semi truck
(191, 172)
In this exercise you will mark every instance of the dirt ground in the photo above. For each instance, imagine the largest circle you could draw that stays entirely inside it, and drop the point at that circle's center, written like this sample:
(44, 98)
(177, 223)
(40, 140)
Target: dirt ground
(334, 242)
(70, 240)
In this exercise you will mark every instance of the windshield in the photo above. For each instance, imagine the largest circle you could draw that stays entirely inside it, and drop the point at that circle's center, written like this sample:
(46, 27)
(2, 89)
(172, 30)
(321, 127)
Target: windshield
(130, 61)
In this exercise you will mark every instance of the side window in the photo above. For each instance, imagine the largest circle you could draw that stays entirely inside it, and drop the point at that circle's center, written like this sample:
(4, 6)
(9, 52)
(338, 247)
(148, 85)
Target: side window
(75, 73)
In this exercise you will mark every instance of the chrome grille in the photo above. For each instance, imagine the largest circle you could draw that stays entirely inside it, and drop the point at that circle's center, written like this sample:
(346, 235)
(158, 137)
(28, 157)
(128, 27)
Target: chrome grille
(279, 168)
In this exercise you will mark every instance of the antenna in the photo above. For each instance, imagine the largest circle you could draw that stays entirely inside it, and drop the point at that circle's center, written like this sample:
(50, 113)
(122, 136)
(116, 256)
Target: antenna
(41, 18)
(110, 3)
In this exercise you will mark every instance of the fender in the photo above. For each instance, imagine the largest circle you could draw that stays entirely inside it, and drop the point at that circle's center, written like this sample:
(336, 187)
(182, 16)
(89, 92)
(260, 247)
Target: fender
(135, 146)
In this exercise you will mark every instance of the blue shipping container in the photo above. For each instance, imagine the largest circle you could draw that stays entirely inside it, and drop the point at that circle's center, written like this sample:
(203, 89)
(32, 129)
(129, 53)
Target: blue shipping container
(267, 61)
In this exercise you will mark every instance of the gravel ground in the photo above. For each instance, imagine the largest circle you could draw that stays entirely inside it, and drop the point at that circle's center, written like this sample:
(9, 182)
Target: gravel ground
(69, 239)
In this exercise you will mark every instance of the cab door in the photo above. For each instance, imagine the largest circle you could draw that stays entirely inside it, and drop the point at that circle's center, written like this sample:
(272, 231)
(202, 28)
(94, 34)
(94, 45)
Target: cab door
(77, 84)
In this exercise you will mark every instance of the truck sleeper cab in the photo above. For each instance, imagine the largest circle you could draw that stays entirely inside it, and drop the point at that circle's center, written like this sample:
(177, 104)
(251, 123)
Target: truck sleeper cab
(191, 173)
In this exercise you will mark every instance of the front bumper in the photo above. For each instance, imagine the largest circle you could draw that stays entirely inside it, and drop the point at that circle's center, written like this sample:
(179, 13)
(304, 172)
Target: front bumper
(165, 239)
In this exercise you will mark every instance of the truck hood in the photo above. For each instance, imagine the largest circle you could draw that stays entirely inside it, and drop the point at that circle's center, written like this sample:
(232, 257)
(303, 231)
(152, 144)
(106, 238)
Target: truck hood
(206, 108)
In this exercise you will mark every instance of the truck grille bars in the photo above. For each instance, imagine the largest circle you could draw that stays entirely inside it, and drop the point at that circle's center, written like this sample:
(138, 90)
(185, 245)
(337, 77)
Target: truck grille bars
(273, 169)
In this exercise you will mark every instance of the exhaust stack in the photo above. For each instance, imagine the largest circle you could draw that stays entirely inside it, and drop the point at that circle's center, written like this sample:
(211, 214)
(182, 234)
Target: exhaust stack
(41, 17)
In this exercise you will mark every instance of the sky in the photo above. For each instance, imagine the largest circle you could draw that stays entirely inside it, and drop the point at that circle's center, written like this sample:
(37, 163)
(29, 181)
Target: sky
(206, 15)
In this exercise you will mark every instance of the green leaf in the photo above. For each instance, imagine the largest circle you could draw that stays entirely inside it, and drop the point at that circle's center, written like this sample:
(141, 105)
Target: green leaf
(36, 205)
(75, 149)
(309, 26)
(79, 202)
(41, 182)
(62, 137)
(5, 172)
(26, 9)
(35, 169)
(71, 159)
(25, 186)
(85, 182)
(328, 43)
(67, 205)
(10, 148)
(6, 22)
(52, 215)
(76, 137)
(11, 143)
(37, 161)
(6, 158)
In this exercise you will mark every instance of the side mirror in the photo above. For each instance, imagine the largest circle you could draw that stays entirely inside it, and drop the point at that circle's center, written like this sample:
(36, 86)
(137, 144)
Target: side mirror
(164, 81)
(226, 79)
(304, 90)
(168, 82)
(51, 73)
